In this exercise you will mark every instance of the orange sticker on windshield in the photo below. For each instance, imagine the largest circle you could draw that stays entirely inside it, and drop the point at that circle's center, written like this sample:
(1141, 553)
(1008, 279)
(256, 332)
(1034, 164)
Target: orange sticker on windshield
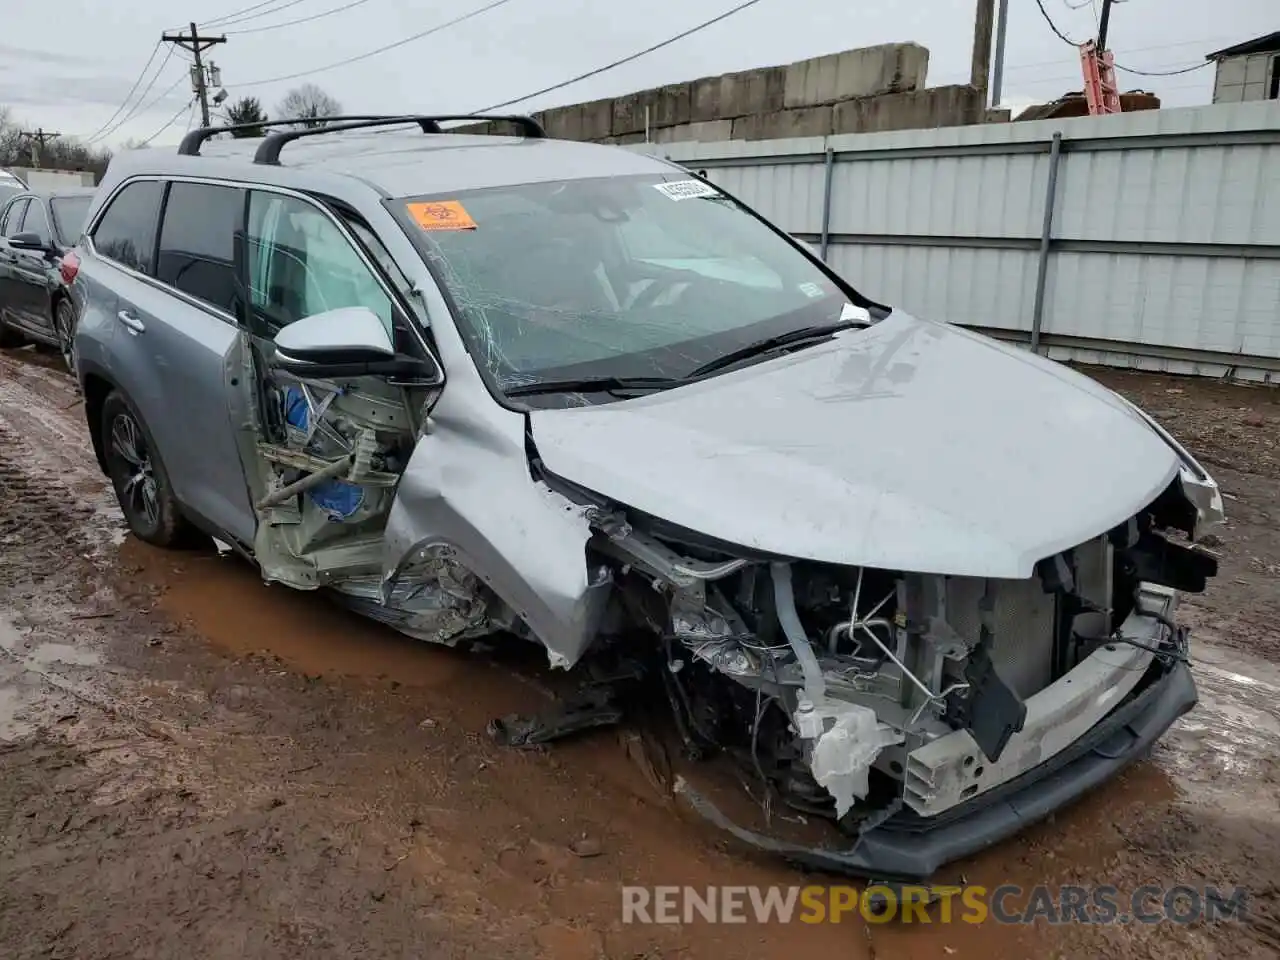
(441, 215)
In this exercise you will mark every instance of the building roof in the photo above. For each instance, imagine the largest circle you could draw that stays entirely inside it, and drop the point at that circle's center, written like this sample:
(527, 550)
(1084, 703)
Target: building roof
(1264, 44)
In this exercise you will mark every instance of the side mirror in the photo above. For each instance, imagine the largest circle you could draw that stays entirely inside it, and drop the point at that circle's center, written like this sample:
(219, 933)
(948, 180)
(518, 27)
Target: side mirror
(347, 342)
(27, 241)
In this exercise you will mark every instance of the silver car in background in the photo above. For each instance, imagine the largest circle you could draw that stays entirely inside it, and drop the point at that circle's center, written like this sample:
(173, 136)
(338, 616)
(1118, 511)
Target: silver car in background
(922, 584)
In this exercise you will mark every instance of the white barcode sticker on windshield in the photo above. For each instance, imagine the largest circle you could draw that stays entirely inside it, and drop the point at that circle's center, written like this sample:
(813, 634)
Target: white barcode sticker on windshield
(686, 189)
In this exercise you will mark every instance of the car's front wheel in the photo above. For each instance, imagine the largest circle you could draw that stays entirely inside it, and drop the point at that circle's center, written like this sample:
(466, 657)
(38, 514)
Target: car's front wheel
(138, 475)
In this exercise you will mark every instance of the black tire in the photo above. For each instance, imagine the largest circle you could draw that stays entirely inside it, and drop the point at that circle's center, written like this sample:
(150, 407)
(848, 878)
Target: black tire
(64, 326)
(138, 475)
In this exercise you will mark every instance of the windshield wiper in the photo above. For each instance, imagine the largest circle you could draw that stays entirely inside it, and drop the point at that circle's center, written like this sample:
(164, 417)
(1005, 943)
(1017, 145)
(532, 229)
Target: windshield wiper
(594, 385)
(792, 338)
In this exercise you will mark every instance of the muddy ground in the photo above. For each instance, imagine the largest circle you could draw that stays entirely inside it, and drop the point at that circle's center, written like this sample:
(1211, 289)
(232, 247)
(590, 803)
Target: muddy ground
(194, 764)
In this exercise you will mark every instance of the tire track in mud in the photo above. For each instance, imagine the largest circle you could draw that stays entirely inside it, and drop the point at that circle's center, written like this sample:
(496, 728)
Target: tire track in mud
(52, 492)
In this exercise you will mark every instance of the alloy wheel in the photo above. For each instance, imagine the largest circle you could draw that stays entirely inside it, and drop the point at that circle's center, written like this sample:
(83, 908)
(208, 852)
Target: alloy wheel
(138, 491)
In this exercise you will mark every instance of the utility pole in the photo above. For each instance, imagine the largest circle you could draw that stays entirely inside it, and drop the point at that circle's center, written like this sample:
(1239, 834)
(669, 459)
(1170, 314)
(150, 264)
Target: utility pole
(38, 138)
(197, 45)
(1104, 20)
(997, 72)
(981, 66)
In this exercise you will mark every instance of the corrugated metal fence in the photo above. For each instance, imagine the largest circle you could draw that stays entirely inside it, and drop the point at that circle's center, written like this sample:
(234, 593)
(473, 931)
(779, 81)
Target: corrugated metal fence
(1148, 239)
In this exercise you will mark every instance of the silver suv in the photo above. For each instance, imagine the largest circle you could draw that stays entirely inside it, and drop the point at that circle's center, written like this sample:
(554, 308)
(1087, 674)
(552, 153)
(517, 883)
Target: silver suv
(916, 581)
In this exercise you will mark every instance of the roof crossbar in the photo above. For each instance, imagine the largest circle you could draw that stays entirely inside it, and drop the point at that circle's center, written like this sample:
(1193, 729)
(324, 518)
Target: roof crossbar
(191, 143)
(268, 151)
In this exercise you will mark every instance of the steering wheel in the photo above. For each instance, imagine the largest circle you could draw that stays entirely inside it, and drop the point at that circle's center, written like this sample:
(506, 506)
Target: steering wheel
(660, 285)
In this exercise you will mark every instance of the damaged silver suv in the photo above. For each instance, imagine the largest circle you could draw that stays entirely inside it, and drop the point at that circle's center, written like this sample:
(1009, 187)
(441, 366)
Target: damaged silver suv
(920, 583)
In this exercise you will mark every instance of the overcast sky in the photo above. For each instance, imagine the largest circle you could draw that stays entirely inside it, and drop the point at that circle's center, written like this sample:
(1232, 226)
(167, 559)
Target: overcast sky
(69, 65)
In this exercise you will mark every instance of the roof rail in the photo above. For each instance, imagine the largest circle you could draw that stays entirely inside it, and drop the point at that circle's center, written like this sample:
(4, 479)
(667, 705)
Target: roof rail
(191, 143)
(268, 151)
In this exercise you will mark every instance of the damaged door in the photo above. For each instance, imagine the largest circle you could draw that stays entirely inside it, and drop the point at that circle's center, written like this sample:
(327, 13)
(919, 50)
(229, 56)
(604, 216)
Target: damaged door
(335, 404)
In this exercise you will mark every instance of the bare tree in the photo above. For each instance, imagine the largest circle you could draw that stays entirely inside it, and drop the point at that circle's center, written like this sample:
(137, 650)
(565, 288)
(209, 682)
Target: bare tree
(65, 153)
(309, 104)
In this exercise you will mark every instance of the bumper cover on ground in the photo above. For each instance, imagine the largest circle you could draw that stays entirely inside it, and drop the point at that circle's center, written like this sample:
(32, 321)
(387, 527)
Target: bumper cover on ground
(908, 848)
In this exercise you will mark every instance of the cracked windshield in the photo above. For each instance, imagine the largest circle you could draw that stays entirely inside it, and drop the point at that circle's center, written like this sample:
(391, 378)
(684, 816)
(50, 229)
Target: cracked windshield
(629, 276)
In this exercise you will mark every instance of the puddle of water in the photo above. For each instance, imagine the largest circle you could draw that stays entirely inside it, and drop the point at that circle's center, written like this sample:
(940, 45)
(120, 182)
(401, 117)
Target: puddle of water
(64, 653)
(12, 704)
(1225, 752)
(10, 636)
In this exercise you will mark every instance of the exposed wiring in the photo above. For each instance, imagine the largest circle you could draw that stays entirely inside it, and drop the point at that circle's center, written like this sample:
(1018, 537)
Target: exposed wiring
(128, 96)
(635, 56)
(1053, 26)
(171, 121)
(493, 5)
(291, 23)
(137, 107)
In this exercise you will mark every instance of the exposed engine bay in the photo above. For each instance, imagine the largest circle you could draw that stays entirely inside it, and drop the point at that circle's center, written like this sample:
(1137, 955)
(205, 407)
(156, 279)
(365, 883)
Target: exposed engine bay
(855, 692)
(852, 694)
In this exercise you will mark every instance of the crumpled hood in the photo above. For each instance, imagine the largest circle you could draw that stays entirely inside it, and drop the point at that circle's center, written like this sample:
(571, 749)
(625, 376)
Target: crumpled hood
(910, 445)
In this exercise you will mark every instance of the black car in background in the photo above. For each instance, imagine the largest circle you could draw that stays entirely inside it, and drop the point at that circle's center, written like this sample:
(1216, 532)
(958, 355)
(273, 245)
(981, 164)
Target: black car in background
(36, 230)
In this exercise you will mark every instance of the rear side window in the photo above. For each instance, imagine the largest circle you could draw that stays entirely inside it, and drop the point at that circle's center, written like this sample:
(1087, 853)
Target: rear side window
(127, 231)
(69, 214)
(197, 243)
(11, 222)
(36, 222)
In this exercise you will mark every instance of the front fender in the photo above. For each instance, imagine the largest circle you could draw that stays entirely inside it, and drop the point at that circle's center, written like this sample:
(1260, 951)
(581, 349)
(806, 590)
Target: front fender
(467, 487)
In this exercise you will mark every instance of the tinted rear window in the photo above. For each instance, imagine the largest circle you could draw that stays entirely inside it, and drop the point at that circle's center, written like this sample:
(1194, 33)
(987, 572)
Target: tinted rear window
(127, 232)
(69, 215)
(197, 242)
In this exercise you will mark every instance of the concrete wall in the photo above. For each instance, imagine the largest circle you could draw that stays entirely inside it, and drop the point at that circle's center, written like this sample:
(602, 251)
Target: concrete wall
(52, 179)
(1250, 77)
(1163, 250)
(857, 91)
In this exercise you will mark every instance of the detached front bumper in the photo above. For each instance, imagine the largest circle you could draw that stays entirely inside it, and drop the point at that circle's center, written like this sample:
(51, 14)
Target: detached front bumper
(910, 848)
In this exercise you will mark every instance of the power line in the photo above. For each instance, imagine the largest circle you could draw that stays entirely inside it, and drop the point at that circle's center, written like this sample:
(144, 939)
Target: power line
(635, 56)
(1075, 58)
(373, 53)
(125, 102)
(291, 23)
(1053, 26)
(1165, 73)
(173, 86)
(189, 105)
(142, 96)
(264, 13)
(237, 13)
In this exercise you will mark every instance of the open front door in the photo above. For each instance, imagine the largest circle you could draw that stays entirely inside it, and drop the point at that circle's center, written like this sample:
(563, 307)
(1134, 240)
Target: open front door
(337, 386)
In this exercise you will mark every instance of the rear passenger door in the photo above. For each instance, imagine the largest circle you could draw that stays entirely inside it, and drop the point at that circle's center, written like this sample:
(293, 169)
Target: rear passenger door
(177, 346)
(31, 290)
(10, 225)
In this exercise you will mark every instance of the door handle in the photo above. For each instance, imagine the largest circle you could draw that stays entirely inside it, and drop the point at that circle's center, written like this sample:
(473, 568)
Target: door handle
(129, 320)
